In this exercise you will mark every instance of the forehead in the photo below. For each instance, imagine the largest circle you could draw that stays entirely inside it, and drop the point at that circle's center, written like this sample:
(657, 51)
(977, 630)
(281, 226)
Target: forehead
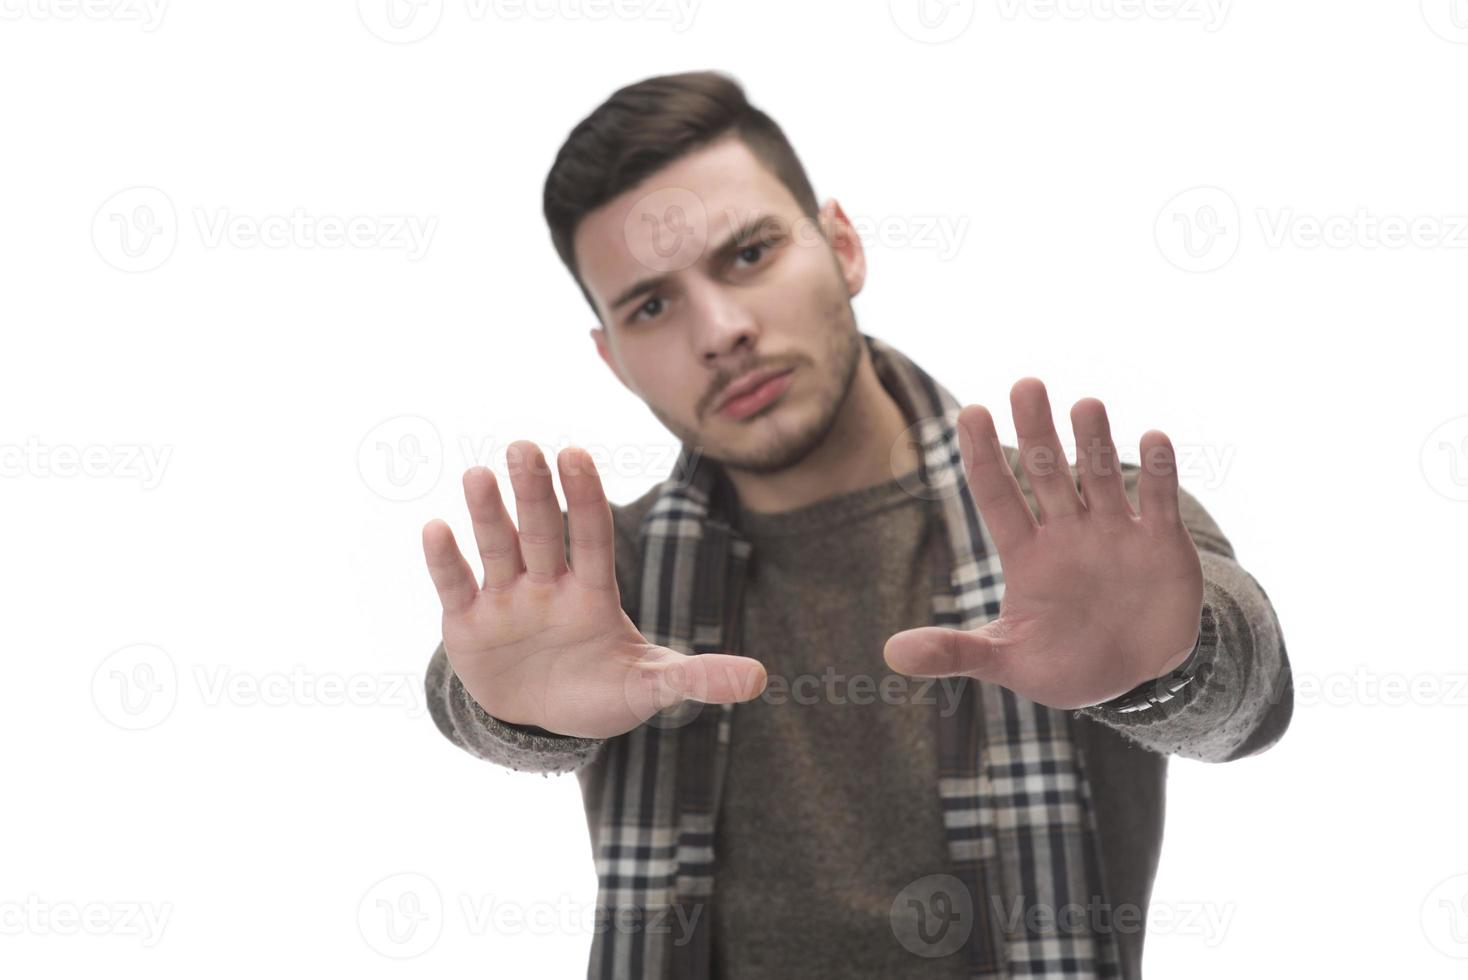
(664, 223)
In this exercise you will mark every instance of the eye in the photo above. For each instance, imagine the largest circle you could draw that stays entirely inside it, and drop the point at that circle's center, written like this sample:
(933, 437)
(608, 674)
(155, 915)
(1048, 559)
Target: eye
(757, 248)
(652, 307)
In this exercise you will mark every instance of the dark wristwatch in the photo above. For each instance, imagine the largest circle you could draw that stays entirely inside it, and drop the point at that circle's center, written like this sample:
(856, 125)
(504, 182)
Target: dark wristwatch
(1150, 694)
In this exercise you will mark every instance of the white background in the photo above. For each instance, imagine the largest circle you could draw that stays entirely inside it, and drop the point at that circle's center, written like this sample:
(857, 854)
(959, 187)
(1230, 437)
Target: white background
(1314, 392)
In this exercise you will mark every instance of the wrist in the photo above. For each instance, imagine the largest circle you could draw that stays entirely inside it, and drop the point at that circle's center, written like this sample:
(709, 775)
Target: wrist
(1158, 690)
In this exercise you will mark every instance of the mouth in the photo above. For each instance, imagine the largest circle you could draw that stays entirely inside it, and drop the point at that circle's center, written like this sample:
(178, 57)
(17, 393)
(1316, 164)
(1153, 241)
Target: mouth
(751, 393)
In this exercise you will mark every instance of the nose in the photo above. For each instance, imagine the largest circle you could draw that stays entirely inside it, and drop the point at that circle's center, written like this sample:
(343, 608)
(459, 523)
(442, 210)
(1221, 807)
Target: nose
(724, 325)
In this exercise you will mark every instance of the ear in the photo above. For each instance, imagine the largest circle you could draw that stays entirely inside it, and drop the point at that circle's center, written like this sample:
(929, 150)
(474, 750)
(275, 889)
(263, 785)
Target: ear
(599, 335)
(846, 244)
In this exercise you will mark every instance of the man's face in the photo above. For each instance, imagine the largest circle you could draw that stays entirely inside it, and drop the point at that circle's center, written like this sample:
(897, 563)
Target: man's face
(708, 270)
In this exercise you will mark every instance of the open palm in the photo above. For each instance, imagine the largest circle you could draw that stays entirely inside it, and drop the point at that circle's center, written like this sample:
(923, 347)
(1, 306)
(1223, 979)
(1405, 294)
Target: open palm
(1097, 598)
(548, 644)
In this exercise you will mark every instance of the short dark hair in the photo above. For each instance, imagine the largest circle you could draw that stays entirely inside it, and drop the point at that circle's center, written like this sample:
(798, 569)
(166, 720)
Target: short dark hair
(645, 126)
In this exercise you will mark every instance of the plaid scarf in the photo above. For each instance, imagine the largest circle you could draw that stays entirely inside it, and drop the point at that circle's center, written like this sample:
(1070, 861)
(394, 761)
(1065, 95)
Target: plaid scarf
(1025, 882)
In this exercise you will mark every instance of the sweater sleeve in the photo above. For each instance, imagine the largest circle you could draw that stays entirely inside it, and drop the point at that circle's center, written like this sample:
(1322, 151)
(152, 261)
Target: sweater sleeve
(1241, 698)
(521, 747)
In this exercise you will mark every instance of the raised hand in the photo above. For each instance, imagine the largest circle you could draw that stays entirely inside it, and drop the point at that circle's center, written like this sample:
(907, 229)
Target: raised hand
(1097, 599)
(544, 644)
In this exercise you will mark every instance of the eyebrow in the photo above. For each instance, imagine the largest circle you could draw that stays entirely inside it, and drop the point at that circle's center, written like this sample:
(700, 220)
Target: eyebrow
(732, 243)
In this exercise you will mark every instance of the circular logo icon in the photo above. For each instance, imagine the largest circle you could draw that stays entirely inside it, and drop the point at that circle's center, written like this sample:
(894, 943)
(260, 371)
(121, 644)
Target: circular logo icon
(925, 438)
(135, 229)
(1445, 458)
(400, 21)
(933, 916)
(667, 230)
(401, 916)
(1445, 917)
(135, 687)
(932, 21)
(1448, 19)
(658, 685)
(402, 458)
(1199, 229)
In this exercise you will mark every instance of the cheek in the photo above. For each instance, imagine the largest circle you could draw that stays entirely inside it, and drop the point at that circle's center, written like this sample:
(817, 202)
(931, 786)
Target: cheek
(805, 288)
(662, 379)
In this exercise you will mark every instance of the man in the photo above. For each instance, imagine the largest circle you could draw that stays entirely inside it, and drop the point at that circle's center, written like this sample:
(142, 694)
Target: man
(1011, 647)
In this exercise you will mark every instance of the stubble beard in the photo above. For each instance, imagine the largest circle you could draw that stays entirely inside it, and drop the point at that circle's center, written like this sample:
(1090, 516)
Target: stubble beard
(786, 449)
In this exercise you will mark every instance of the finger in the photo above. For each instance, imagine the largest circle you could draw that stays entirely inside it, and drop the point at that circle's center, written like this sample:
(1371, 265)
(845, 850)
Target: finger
(1040, 452)
(995, 490)
(667, 677)
(1157, 483)
(589, 515)
(494, 532)
(542, 527)
(1097, 460)
(452, 576)
(936, 651)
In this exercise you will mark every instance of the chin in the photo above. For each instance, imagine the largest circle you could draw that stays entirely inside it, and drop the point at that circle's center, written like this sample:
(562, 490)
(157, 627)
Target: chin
(774, 441)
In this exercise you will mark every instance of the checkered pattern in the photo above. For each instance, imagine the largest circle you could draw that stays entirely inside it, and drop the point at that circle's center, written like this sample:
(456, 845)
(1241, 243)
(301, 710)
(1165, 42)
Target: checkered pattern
(1012, 782)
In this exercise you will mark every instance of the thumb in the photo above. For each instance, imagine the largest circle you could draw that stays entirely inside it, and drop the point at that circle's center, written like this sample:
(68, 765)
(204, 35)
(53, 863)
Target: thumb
(936, 651)
(714, 678)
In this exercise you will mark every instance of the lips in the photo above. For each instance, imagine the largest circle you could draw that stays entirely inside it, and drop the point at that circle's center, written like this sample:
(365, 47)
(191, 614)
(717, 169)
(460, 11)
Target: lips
(747, 383)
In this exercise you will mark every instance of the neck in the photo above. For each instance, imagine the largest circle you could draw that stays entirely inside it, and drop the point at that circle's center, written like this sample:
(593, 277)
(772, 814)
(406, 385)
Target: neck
(864, 447)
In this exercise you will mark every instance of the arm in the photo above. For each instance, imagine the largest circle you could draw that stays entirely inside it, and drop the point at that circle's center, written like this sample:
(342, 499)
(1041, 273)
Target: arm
(521, 747)
(1241, 698)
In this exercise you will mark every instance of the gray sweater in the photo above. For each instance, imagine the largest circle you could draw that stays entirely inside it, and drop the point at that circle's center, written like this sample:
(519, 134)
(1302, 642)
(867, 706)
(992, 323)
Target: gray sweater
(783, 753)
